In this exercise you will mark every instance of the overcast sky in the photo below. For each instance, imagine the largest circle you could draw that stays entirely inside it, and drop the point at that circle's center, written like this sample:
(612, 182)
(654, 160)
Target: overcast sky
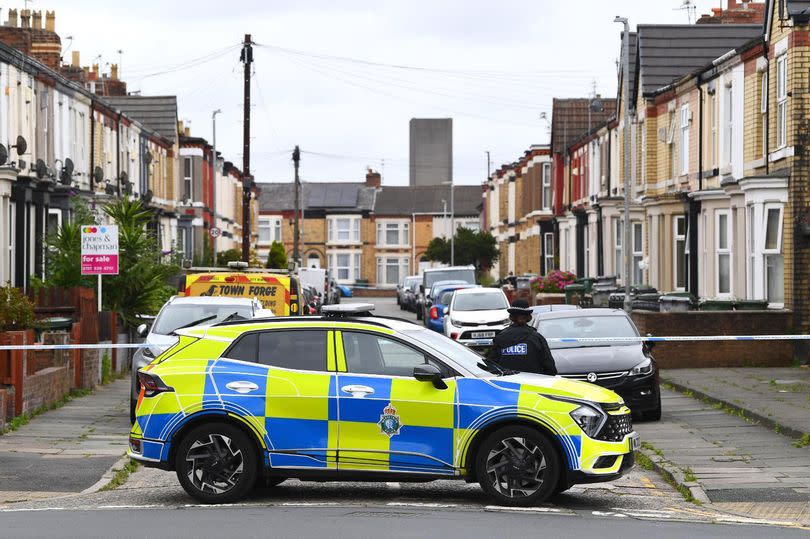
(342, 78)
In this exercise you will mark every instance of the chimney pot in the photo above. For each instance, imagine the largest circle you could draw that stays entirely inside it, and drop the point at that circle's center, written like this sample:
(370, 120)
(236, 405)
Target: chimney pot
(50, 21)
(114, 71)
(717, 11)
(36, 20)
(76, 59)
(187, 131)
(25, 18)
(95, 69)
(12, 18)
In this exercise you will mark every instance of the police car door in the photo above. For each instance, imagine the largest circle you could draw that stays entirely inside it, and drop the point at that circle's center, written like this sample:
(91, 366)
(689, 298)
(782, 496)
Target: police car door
(388, 420)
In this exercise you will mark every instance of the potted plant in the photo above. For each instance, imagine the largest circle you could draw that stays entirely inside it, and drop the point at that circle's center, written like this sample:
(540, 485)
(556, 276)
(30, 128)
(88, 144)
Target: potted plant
(550, 288)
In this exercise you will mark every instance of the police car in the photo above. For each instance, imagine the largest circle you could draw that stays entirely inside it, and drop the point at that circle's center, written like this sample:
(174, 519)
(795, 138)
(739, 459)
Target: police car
(350, 396)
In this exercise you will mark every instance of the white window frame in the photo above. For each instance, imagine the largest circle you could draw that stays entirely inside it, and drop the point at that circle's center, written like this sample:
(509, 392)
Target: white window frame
(713, 120)
(548, 250)
(763, 111)
(546, 186)
(384, 263)
(676, 238)
(586, 240)
(403, 231)
(272, 224)
(726, 251)
(684, 140)
(355, 267)
(188, 178)
(618, 229)
(728, 141)
(353, 230)
(751, 240)
(766, 209)
(781, 100)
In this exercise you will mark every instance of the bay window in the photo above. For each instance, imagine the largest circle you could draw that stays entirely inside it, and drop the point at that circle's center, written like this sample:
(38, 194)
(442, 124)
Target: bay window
(774, 260)
(345, 265)
(546, 186)
(548, 251)
(723, 249)
(681, 250)
(617, 247)
(638, 253)
(391, 270)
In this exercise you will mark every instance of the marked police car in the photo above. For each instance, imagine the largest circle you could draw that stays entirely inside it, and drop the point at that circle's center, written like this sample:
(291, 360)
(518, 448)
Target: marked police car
(350, 396)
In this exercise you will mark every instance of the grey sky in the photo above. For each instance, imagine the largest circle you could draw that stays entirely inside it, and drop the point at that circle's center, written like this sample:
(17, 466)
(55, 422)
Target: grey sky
(496, 67)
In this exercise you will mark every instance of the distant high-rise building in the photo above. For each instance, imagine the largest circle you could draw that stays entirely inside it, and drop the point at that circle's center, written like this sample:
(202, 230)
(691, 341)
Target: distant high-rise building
(431, 150)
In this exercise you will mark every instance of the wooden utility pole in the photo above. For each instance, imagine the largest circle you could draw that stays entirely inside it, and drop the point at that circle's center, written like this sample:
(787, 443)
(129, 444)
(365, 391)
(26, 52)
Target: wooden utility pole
(296, 157)
(247, 180)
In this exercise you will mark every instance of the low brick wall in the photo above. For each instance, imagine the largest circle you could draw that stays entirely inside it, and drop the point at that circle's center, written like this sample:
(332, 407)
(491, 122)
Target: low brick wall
(720, 353)
(3, 408)
(91, 368)
(45, 387)
(374, 292)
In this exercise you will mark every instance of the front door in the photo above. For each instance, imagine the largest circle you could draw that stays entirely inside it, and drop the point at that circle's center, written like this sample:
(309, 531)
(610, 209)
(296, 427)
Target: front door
(388, 420)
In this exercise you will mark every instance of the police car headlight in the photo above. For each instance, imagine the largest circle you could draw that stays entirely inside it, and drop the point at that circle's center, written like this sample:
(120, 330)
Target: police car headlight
(645, 367)
(589, 419)
(456, 323)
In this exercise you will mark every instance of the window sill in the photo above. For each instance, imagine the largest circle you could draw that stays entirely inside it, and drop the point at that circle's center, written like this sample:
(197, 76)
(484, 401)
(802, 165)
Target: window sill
(781, 153)
(381, 246)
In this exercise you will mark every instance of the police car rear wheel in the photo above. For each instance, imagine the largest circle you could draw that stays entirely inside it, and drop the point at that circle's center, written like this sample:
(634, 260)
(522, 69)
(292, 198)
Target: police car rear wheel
(517, 466)
(216, 463)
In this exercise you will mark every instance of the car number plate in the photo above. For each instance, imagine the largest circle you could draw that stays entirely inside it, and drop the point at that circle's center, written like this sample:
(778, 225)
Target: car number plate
(483, 334)
(635, 442)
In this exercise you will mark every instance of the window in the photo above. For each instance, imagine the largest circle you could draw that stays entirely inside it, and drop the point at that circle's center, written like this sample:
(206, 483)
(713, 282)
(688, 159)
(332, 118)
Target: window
(728, 145)
(303, 350)
(344, 230)
(391, 270)
(752, 245)
(671, 143)
(187, 179)
(638, 253)
(548, 251)
(713, 127)
(185, 242)
(54, 222)
(372, 354)
(643, 150)
(685, 140)
(393, 233)
(781, 100)
(586, 240)
(617, 246)
(546, 186)
(680, 269)
(723, 246)
(269, 229)
(345, 266)
(774, 260)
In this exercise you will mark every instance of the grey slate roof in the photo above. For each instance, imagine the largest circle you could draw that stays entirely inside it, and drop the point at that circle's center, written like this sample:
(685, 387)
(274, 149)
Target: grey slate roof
(796, 7)
(155, 112)
(333, 196)
(669, 52)
(405, 200)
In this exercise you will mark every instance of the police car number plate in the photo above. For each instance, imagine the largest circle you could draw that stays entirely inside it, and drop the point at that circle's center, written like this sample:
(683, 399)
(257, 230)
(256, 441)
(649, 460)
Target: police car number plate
(483, 334)
(635, 442)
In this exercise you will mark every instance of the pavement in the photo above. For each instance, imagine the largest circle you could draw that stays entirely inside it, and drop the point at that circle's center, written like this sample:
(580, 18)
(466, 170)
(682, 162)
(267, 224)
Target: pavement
(66, 450)
(730, 437)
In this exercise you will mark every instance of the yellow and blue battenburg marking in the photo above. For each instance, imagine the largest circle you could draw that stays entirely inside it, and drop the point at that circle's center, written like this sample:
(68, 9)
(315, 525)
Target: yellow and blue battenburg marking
(322, 420)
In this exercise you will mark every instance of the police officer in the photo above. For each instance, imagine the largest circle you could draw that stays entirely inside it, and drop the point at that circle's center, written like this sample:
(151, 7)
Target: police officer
(520, 347)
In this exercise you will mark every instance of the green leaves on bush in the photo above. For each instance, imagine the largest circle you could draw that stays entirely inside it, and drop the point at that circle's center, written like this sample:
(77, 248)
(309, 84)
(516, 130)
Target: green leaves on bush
(16, 310)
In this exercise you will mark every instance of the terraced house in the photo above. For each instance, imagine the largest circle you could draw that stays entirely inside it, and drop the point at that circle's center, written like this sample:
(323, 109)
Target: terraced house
(718, 172)
(72, 131)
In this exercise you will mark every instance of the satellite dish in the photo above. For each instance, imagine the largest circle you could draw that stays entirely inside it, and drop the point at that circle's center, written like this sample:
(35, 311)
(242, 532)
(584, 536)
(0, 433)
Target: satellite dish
(596, 105)
(21, 145)
(147, 156)
(98, 174)
(109, 189)
(3, 155)
(41, 169)
(66, 175)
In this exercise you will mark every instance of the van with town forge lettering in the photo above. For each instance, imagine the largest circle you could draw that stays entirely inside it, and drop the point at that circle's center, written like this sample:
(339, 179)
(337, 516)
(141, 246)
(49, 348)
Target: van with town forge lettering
(350, 396)
(277, 292)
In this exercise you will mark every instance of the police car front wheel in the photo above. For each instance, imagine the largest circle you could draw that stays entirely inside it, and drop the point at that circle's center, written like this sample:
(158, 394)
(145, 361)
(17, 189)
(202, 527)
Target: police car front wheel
(216, 463)
(517, 465)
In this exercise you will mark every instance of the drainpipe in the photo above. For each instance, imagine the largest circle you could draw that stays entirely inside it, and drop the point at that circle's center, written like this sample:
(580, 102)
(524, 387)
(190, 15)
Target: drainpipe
(92, 144)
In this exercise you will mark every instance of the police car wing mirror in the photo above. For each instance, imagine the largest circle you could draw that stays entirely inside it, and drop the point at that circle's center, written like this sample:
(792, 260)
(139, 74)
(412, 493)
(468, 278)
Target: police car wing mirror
(142, 330)
(429, 373)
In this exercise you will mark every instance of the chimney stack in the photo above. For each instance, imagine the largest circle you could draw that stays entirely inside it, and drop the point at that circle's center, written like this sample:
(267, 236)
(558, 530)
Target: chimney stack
(373, 179)
(50, 21)
(25, 18)
(75, 59)
(114, 71)
(36, 20)
(12, 18)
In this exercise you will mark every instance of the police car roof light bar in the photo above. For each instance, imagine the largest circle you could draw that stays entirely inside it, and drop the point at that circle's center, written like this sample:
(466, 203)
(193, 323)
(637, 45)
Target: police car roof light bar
(347, 309)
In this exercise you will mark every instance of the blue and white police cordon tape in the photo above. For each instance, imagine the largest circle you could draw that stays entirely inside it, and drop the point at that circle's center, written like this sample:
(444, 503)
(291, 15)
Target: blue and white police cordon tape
(619, 340)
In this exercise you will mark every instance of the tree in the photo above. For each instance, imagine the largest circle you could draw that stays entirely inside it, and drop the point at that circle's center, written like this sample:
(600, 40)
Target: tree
(230, 255)
(472, 248)
(63, 250)
(277, 259)
(140, 286)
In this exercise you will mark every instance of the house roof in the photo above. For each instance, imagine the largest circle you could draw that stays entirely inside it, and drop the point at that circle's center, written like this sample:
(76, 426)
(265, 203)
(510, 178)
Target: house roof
(155, 112)
(798, 7)
(333, 196)
(570, 120)
(405, 200)
(668, 52)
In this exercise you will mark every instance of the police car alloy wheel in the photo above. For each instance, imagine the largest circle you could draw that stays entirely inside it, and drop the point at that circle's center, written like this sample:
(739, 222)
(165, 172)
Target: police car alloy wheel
(216, 463)
(517, 466)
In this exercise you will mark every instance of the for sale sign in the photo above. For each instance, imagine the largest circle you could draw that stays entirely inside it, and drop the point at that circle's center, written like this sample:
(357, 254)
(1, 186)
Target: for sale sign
(100, 250)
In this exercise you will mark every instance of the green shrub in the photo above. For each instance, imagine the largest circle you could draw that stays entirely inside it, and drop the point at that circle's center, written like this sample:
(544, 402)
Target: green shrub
(106, 368)
(16, 310)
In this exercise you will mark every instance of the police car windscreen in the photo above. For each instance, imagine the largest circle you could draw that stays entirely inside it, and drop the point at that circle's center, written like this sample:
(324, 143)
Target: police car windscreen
(176, 315)
(595, 327)
(466, 275)
(485, 301)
